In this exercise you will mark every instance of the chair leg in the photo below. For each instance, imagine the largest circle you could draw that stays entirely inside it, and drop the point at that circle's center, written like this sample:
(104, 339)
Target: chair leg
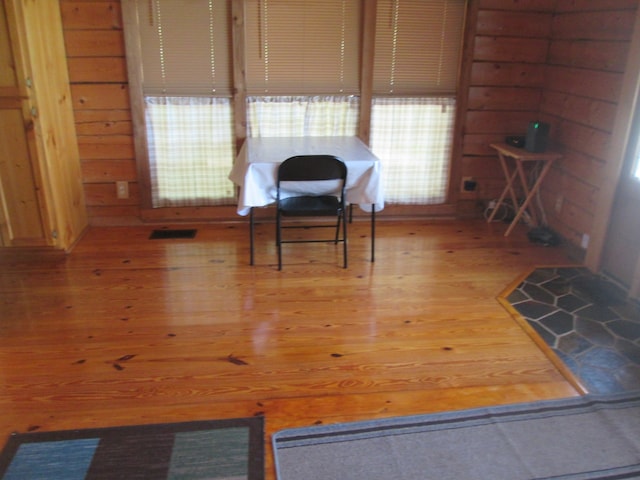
(337, 239)
(279, 240)
(251, 236)
(344, 238)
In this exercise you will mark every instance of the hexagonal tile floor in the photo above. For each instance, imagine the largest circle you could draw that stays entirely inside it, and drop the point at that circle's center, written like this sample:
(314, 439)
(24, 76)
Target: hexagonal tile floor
(587, 322)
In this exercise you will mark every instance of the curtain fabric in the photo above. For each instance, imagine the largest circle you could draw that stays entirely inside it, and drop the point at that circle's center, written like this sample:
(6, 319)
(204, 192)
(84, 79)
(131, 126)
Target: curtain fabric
(413, 138)
(301, 116)
(190, 142)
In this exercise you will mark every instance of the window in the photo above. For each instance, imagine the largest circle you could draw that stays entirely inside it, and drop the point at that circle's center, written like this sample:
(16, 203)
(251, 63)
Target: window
(412, 137)
(185, 56)
(417, 50)
(300, 116)
(302, 66)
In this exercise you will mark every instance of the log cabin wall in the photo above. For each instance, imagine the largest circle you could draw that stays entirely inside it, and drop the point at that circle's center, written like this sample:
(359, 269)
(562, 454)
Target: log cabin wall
(97, 71)
(505, 84)
(585, 68)
(559, 61)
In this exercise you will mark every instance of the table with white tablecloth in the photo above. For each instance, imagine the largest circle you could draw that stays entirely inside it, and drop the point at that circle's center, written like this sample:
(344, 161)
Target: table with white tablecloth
(256, 168)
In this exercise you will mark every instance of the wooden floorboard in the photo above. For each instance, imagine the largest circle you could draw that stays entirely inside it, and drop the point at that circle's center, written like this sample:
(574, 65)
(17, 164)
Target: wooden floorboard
(129, 330)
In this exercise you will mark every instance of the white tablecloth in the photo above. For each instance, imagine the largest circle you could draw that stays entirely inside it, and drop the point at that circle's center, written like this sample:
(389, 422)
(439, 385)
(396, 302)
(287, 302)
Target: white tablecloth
(256, 166)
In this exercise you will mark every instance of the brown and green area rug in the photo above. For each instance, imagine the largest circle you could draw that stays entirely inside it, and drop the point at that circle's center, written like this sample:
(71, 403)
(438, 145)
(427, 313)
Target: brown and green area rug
(230, 449)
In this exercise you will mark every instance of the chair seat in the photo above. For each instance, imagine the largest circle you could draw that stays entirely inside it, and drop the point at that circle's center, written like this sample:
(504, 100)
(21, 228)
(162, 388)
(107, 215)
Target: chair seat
(311, 168)
(310, 206)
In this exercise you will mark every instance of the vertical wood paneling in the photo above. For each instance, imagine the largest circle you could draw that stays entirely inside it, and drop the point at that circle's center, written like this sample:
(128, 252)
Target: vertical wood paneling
(40, 141)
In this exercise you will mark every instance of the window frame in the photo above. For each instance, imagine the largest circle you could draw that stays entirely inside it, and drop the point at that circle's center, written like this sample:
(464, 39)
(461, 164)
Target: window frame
(239, 91)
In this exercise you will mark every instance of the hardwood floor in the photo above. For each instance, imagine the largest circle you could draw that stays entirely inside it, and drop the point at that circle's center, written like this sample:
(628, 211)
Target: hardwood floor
(129, 330)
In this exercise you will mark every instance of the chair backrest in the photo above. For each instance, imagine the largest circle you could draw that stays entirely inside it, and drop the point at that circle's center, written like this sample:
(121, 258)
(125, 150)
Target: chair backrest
(311, 167)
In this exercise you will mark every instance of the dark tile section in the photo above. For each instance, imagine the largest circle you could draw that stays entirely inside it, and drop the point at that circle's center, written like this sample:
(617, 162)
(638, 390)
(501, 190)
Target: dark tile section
(587, 322)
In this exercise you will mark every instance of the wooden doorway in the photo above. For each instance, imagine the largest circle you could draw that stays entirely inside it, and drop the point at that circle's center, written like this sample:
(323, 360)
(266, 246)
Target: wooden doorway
(621, 254)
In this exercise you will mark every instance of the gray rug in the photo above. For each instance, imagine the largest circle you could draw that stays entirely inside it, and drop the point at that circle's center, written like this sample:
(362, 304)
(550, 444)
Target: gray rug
(579, 438)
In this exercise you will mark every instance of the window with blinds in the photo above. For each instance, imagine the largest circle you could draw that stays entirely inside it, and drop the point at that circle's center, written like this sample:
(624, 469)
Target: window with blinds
(186, 81)
(185, 47)
(296, 47)
(417, 46)
(302, 76)
(415, 76)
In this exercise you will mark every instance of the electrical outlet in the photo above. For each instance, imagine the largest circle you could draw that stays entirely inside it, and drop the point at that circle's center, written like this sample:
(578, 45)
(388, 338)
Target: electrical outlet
(122, 189)
(585, 241)
(468, 184)
(559, 202)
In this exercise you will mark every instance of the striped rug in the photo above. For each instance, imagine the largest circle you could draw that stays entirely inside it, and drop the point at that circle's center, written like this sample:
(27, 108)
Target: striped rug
(570, 439)
(230, 449)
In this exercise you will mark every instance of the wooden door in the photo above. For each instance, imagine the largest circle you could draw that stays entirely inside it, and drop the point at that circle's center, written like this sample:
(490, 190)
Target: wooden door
(621, 254)
(21, 223)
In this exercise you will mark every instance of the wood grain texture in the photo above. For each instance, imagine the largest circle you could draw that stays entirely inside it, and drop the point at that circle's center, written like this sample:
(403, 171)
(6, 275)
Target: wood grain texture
(42, 153)
(127, 330)
(570, 53)
(587, 61)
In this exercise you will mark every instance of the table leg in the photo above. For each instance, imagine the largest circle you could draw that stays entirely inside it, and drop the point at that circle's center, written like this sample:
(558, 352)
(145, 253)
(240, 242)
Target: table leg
(530, 196)
(373, 232)
(525, 188)
(508, 189)
(251, 236)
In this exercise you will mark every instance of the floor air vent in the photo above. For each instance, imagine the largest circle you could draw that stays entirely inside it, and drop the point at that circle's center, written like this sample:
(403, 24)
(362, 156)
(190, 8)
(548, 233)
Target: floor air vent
(168, 233)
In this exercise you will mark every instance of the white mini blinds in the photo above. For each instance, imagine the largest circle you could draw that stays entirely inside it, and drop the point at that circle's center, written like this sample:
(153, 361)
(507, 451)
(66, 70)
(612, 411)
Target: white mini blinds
(417, 47)
(303, 47)
(185, 47)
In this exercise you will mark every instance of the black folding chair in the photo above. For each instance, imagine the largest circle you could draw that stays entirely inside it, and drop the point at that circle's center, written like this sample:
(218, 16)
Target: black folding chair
(298, 200)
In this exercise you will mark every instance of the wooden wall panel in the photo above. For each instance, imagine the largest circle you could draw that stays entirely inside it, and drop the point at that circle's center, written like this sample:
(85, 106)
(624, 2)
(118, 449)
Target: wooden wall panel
(590, 111)
(501, 123)
(94, 43)
(513, 24)
(504, 98)
(585, 167)
(18, 196)
(93, 32)
(587, 57)
(507, 74)
(97, 70)
(559, 61)
(102, 194)
(547, 6)
(603, 26)
(511, 49)
(505, 84)
(476, 144)
(103, 122)
(91, 15)
(103, 96)
(571, 56)
(592, 84)
(112, 170)
(564, 6)
(606, 56)
(106, 146)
